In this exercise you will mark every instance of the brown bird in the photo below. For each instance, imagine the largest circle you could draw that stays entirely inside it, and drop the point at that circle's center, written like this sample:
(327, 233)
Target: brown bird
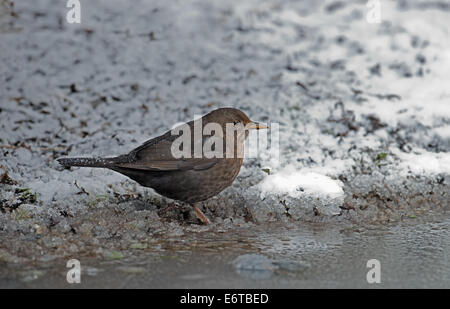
(188, 173)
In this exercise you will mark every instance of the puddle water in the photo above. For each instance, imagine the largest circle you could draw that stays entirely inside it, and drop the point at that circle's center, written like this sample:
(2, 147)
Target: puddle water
(413, 255)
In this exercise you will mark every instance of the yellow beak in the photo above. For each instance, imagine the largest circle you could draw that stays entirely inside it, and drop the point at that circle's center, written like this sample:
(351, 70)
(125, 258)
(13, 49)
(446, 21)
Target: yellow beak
(257, 126)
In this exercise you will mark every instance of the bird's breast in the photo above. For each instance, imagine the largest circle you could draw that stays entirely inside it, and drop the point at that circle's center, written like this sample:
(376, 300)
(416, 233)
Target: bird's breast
(197, 185)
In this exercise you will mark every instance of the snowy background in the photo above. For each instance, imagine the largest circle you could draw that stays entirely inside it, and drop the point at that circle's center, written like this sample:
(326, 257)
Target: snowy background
(363, 111)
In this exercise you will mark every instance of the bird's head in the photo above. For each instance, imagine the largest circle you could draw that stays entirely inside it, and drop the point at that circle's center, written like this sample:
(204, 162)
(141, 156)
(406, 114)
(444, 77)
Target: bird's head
(233, 116)
(230, 125)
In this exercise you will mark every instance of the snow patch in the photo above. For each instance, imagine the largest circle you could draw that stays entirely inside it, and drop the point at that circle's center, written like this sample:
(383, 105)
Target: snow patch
(297, 183)
(425, 162)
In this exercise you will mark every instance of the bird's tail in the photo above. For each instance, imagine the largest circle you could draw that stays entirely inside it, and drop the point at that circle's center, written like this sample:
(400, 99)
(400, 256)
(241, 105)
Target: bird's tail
(91, 162)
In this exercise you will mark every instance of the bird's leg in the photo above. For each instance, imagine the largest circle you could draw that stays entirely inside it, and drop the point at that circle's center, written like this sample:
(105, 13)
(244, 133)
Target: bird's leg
(201, 215)
(168, 207)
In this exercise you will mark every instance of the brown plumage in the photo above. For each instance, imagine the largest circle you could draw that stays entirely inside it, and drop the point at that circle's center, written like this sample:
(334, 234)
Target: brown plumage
(190, 180)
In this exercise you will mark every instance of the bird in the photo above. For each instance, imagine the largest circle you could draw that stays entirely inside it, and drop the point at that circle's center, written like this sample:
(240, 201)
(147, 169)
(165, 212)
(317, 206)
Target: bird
(185, 175)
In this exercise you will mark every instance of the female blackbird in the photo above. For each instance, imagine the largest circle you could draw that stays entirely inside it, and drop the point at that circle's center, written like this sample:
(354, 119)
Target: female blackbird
(190, 175)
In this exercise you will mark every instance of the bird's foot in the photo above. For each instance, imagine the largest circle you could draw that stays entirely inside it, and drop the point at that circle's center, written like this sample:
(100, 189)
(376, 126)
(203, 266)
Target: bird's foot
(201, 216)
(168, 207)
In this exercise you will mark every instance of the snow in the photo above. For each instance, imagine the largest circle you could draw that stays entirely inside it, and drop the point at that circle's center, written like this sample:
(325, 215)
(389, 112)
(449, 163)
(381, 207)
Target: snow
(424, 162)
(443, 132)
(297, 183)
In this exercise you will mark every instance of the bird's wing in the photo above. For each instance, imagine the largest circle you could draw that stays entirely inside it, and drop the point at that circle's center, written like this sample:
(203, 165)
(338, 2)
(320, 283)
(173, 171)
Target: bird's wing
(172, 165)
(156, 155)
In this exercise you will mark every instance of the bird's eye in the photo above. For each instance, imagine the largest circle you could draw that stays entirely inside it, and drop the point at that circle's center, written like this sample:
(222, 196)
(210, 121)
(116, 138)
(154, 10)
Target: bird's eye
(235, 122)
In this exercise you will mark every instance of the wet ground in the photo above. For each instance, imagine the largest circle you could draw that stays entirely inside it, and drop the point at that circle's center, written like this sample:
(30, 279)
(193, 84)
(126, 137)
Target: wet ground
(412, 254)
